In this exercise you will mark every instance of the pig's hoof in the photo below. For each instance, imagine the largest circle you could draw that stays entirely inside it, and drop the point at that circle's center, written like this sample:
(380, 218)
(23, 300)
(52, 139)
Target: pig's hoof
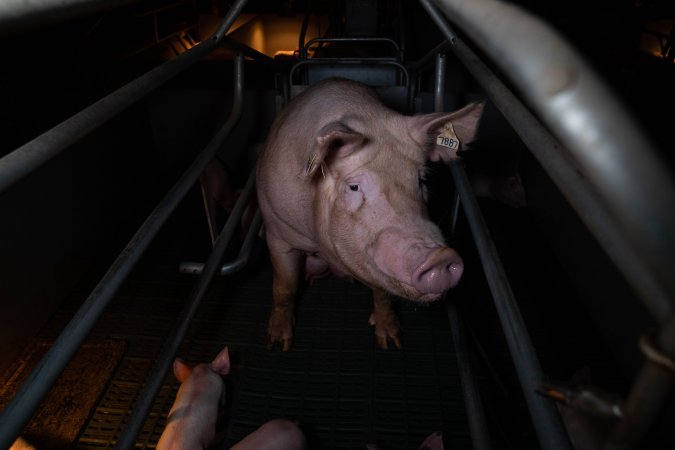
(280, 329)
(284, 343)
(386, 330)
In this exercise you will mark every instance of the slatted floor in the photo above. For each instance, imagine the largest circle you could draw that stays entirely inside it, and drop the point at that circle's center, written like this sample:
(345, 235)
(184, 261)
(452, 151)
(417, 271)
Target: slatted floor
(344, 391)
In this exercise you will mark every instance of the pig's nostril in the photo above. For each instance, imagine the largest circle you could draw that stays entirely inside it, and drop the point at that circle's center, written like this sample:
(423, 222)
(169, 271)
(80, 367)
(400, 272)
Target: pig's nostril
(441, 271)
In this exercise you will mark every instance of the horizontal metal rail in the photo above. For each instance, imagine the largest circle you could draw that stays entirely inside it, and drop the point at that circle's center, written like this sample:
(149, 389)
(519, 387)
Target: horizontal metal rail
(163, 363)
(17, 164)
(577, 106)
(27, 399)
(360, 40)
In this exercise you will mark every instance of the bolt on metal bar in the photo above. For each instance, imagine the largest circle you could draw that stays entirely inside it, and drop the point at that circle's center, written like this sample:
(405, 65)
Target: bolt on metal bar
(157, 374)
(576, 188)
(236, 264)
(544, 415)
(19, 410)
(580, 110)
(33, 154)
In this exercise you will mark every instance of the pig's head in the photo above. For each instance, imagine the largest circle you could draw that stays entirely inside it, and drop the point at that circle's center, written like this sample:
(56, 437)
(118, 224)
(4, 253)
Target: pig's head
(371, 217)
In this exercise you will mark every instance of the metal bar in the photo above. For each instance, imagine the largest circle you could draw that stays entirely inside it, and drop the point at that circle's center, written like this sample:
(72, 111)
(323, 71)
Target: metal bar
(236, 264)
(156, 377)
(653, 384)
(303, 32)
(480, 437)
(427, 59)
(210, 215)
(19, 410)
(33, 154)
(245, 49)
(579, 108)
(354, 39)
(439, 84)
(544, 415)
(576, 188)
(20, 15)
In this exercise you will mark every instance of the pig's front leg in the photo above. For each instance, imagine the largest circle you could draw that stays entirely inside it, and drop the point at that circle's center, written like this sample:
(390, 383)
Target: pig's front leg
(286, 266)
(384, 319)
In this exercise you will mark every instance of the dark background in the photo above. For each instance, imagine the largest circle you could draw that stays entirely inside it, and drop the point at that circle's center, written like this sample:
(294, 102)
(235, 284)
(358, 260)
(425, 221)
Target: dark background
(70, 218)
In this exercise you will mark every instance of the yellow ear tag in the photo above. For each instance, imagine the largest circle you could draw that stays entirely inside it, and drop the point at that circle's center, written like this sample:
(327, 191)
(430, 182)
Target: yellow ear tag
(447, 137)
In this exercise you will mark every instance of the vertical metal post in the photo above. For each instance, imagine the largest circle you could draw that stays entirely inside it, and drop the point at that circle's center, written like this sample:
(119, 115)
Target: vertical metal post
(439, 82)
(543, 412)
(472, 400)
(480, 437)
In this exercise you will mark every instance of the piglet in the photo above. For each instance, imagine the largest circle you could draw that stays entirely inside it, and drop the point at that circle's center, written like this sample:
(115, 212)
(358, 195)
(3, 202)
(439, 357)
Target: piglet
(191, 423)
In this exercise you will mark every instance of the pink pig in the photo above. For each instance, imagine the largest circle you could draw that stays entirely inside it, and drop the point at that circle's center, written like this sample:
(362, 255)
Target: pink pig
(340, 187)
(191, 423)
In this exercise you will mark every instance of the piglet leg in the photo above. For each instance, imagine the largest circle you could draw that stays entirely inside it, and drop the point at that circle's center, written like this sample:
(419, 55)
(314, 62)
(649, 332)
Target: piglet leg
(385, 320)
(286, 270)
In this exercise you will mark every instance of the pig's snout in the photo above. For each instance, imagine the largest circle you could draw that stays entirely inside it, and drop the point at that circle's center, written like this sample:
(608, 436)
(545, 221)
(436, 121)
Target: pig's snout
(440, 271)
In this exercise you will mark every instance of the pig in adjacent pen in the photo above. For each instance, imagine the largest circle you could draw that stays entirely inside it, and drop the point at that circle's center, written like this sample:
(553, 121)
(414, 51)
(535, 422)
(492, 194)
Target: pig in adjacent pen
(340, 187)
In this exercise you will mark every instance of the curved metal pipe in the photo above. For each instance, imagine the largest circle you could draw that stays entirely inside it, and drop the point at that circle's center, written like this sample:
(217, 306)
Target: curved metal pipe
(577, 190)
(578, 107)
(236, 264)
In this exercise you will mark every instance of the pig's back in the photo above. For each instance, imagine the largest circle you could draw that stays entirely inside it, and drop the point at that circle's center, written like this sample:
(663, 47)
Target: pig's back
(285, 197)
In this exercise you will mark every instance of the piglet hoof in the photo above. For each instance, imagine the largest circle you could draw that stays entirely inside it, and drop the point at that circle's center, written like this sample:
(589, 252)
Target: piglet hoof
(386, 329)
(280, 329)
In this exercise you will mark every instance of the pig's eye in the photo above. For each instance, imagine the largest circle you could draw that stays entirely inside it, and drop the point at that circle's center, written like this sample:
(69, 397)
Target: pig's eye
(354, 187)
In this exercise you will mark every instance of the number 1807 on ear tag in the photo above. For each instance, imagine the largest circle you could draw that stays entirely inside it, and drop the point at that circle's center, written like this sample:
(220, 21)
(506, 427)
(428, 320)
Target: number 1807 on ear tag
(447, 137)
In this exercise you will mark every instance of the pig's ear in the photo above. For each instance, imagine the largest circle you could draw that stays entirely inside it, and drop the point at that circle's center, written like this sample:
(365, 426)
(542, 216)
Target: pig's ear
(335, 140)
(221, 363)
(181, 370)
(444, 134)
